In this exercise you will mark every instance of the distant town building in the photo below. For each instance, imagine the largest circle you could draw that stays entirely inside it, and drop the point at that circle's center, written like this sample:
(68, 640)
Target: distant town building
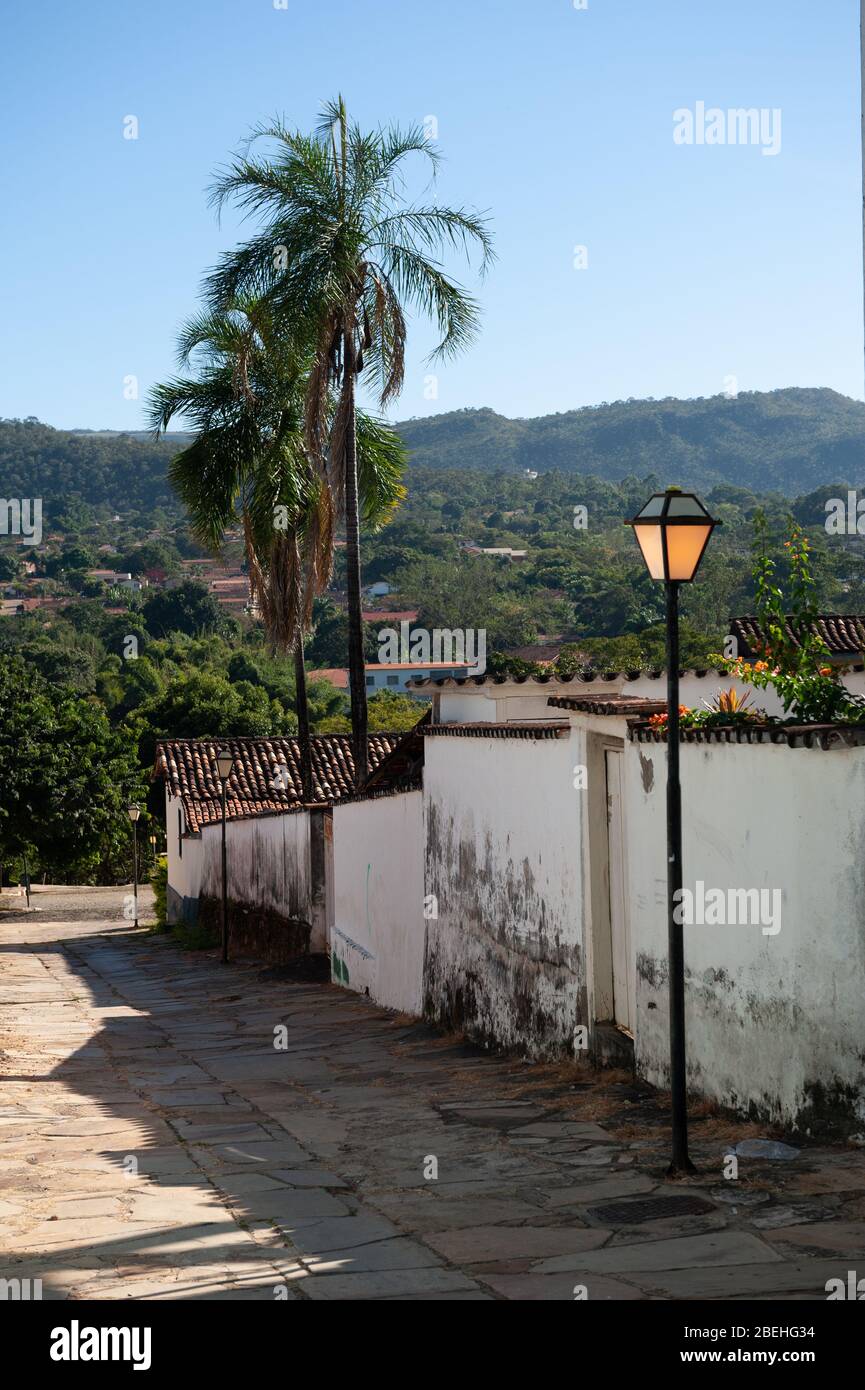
(505, 551)
(396, 675)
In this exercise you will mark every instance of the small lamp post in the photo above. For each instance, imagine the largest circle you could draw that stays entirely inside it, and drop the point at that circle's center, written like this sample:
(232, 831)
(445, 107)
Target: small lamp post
(133, 811)
(672, 531)
(224, 764)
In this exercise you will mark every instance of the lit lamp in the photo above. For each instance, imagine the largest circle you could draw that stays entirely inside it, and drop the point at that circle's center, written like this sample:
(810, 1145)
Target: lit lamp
(672, 531)
(133, 811)
(224, 765)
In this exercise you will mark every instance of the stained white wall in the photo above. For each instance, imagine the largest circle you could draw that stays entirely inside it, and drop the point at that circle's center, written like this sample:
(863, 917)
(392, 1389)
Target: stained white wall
(378, 932)
(268, 863)
(775, 1023)
(502, 826)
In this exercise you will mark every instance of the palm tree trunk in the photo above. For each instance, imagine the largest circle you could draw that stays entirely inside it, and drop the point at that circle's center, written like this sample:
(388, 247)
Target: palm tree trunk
(303, 720)
(356, 666)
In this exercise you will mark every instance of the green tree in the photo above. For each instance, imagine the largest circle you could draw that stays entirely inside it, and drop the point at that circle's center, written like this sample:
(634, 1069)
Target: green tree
(67, 777)
(249, 455)
(353, 258)
(389, 713)
(206, 705)
(190, 608)
(10, 566)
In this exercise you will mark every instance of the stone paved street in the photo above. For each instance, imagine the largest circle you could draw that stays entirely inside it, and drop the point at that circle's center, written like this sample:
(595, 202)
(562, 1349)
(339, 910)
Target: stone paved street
(155, 1143)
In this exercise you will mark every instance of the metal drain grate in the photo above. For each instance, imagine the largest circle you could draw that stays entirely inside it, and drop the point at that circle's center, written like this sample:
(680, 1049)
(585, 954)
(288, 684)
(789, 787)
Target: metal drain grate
(632, 1212)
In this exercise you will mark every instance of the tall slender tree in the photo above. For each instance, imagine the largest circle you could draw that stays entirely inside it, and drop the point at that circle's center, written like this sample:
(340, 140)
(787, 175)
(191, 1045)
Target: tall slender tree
(344, 256)
(245, 400)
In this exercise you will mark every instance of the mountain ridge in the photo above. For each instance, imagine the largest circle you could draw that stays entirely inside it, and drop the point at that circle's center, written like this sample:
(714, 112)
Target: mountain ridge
(790, 441)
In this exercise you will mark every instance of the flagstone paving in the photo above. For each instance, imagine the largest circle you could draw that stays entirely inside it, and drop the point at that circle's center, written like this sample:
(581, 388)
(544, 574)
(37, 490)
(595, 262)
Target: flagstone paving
(157, 1142)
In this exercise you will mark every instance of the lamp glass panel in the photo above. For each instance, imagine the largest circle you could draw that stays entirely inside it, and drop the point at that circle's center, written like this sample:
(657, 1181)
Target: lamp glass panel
(134, 812)
(654, 506)
(684, 548)
(683, 505)
(224, 763)
(650, 541)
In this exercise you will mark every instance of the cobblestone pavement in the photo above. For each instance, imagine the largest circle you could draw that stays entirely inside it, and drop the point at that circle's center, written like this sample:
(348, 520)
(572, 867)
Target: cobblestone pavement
(158, 1139)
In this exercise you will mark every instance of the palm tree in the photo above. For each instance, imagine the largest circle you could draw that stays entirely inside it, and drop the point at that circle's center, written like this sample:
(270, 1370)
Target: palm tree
(342, 256)
(245, 401)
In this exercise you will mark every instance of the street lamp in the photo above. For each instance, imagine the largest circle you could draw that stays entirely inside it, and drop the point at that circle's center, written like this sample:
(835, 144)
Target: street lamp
(224, 764)
(672, 531)
(133, 811)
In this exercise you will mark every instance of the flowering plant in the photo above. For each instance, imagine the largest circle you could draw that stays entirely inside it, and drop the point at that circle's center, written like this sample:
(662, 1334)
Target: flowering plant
(659, 721)
(794, 658)
(728, 707)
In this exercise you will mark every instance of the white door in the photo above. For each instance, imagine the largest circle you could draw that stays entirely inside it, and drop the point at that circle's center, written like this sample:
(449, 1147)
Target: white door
(624, 969)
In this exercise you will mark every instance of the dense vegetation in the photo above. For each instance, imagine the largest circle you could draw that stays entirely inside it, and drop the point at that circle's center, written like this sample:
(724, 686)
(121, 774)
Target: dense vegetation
(82, 704)
(586, 584)
(786, 441)
(106, 471)
(84, 696)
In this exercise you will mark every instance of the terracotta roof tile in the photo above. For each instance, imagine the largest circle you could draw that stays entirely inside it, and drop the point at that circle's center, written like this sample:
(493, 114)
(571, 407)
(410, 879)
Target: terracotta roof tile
(337, 675)
(539, 729)
(843, 633)
(585, 676)
(634, 705)
(824, 736)
(266, 776)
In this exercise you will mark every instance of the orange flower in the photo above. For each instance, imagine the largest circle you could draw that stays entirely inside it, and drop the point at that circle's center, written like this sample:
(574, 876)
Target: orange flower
(761, 665)
(825, 670)
(656, 720)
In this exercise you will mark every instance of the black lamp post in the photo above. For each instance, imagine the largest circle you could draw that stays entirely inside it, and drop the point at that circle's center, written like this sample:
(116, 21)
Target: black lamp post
(672, 531)
(133, 812)
(224, 764)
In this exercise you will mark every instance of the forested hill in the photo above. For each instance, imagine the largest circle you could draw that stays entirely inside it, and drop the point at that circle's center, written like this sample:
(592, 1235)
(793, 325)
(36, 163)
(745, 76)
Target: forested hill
(119, 472)
(786, 441)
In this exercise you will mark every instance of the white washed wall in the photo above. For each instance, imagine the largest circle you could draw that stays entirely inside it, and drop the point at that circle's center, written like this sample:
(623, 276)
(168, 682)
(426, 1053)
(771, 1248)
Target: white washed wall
(505, 958)
(510, 703)
(184, 870)
(377, 937)
(378, 933)
(268, 863)
(774, 1023)
(698, 691)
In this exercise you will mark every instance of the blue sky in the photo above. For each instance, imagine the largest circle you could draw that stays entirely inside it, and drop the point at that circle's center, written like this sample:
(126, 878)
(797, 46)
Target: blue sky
(709, 267)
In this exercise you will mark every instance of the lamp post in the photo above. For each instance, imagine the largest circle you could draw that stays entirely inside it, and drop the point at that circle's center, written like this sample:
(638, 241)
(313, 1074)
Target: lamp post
(224, 764)
(672, 531)
(133, 811)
